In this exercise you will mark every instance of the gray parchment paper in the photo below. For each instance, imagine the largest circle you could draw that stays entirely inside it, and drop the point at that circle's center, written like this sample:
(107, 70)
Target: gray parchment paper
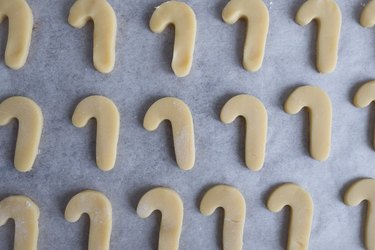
(59, 73)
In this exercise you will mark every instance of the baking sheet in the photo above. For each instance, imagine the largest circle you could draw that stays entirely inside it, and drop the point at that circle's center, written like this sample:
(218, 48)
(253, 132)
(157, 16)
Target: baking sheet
(59, 73)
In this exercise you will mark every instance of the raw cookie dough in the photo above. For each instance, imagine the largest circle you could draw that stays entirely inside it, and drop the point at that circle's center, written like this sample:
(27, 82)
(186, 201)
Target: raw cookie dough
(30, 125)
(178, 113)
(255, 115)
(364, 96)
(99, 209)
(105, 26)
(367, 16)
(359, 191)
(328, 16)
(169, 203)
(108, 125)
(320, 108)
(20, 19)
(301, 215)
(183, 18)
(234, 205)
(255, 13)
(25, 214)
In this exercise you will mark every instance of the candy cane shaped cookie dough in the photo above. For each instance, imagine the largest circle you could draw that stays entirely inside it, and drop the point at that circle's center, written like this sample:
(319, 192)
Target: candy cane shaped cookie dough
(25, 214)
(328, 16)
(108, 125)
(320, 108)
(183, 18)
(367, 16)
(178, 113)
(169, 203)
(234, 205)
(255, 12)
(364, 96)
(20, 19)
(255, 115)
(105, 26)
(364, 190)
(99, 209)
(30, 125)
(301, 215)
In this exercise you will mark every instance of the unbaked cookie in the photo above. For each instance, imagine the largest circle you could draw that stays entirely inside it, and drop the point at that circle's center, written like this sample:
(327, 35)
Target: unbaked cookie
(25, 214)
(328, 16)
(301, 215)
(107, 127)
(99, 209)
(182, 17)
(169, 203)
(234, 205)
(255, 13)
(30, 126)
(178, 113)
(105, 28)
(319, 106)
(21, 21)
(364, 190)
(255, 114)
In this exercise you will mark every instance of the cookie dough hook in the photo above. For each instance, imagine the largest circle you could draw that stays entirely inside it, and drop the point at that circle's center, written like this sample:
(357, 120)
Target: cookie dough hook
(234, 205)
(20, 19)
(30, 125)
(178, 113)
(105, 26)
(328, 16)
(169, 203)
(360, 191)
(301, 215)
(364, 96)
(320, 109)
(255, 115)
(183, 18)
(108, 125)
(25, 214)
(255, 12)
(99, 209)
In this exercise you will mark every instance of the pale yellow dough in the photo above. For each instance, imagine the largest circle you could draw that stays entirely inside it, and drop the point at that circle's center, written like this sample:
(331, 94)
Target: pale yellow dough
(255, 115)
(20, 19)
(169, 203)
(367, 17)
(320, 108)
(234, 205)
(105, 28)
(25, 214)
(328, 16)
(301, 215)
(365, 96)
(183, 18)
(99, 209)
(364, 190)
(30, 125)
(255, 13)
(178, 113)
(108, 125)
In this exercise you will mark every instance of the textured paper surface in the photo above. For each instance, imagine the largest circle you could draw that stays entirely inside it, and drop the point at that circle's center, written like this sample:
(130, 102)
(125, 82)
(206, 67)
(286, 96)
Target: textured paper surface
(59, 73)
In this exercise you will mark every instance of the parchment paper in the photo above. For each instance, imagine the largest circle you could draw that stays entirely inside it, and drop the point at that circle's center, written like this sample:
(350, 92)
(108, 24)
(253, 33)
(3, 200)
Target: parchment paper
(59, 73)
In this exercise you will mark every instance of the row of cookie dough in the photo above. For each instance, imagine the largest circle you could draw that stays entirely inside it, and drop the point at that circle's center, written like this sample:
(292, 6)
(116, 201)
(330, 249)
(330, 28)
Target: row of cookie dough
(107, 116)
(25, 213)
(326, 12)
